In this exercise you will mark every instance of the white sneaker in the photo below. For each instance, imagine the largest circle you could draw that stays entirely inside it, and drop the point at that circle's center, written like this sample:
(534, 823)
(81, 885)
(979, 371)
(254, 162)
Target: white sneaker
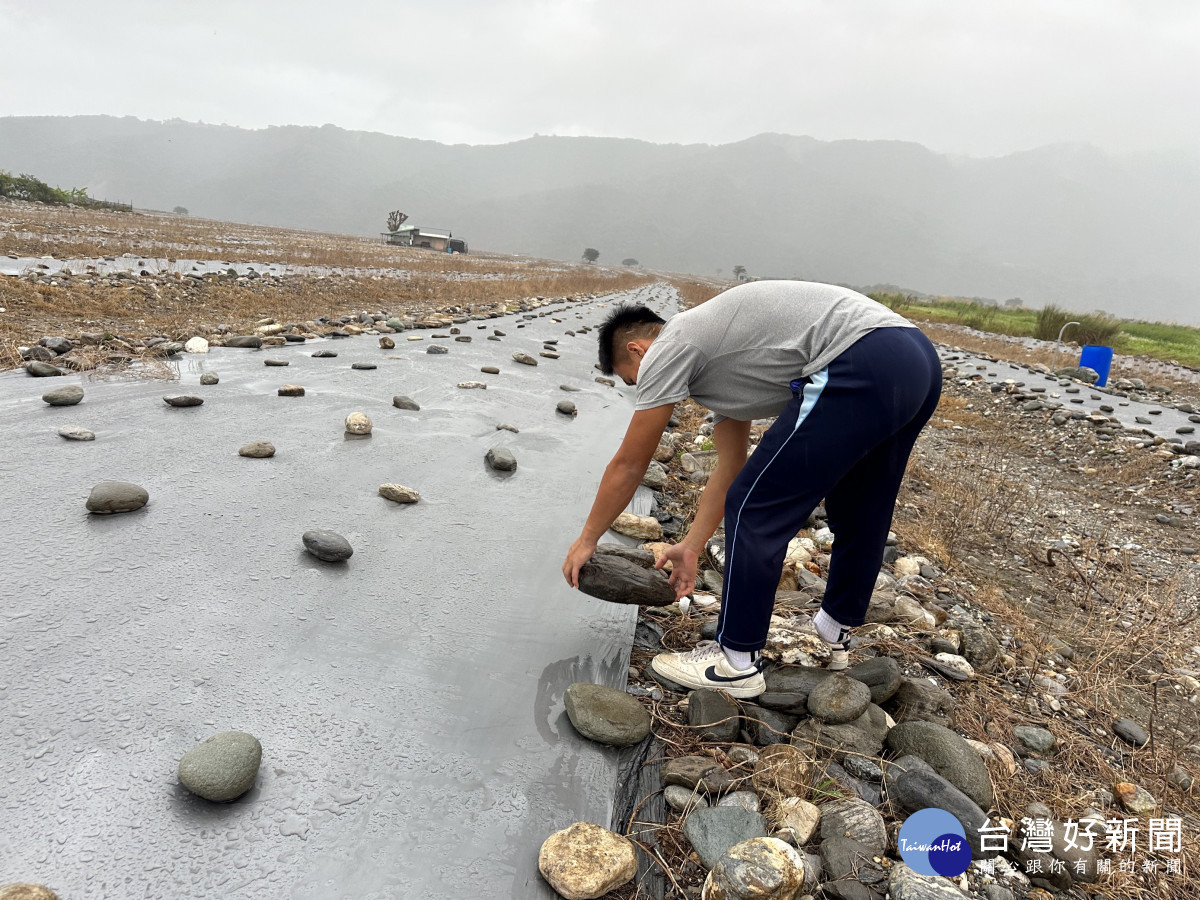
(708, 667)
(839, 652)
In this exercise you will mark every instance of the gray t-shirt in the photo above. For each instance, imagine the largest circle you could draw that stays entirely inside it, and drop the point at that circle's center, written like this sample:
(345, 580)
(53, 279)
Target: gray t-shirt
(736, 353)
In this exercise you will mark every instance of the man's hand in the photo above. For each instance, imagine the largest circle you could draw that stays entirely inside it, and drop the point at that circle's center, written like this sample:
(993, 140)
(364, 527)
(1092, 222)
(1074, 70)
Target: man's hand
(683, 568)
(581, 551)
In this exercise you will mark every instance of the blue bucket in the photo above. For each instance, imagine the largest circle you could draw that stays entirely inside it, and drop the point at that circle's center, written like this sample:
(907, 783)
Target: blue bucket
(1098, 359)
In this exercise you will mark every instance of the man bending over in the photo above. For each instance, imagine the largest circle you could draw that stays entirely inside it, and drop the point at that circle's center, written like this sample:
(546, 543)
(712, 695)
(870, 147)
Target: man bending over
(851, 384)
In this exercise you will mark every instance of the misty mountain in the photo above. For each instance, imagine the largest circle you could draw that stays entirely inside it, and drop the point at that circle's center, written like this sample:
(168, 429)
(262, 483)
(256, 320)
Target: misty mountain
(1066, 224)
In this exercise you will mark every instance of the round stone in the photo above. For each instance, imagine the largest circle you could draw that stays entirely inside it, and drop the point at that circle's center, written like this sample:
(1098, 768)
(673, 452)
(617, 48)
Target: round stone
(606, 715)
(257, 449)
(71, 433)
(116, 497)
(26, 891)
(839, 699)
(196, 345)
(1131, 732)
(64, 396)
(209, 378)
(183, 400)
(358, 423)
(501, 459)
(223, 767)
(386, 343)
(683, 799)
(586, 861)
(291, 390)
(567, 408)
(327, 545)
(398, 493)
(763, 867)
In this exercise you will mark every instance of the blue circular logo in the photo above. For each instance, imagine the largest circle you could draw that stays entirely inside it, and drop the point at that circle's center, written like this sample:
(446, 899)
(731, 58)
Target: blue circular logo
(933, 842)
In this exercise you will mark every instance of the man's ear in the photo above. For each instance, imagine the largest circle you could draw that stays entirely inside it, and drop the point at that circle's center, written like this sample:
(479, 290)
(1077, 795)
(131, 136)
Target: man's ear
(635, 350)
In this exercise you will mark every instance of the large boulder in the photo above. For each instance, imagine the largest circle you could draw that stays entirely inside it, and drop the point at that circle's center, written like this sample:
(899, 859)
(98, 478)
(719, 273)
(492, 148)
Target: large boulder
(949, 755)
(606, 715)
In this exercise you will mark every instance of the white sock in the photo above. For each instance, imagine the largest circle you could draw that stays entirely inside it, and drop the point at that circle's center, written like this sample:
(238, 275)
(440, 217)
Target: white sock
(829, 628)
(739, 659)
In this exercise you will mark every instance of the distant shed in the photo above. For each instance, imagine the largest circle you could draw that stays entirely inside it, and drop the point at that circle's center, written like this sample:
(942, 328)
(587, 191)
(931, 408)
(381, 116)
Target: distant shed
(440, 239)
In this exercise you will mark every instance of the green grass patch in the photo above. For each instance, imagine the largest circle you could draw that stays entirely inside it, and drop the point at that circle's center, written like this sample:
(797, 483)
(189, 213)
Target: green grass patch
(1173, 343)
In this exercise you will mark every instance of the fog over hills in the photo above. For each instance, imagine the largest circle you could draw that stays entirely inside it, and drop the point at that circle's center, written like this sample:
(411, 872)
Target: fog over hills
(1066, 224)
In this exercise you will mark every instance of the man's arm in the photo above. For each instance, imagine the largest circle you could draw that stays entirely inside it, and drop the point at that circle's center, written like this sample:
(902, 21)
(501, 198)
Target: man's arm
(731, 438)
(621, 478)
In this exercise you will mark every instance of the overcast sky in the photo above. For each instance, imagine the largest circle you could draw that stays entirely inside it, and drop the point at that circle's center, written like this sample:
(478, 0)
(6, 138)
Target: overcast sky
(979, 77)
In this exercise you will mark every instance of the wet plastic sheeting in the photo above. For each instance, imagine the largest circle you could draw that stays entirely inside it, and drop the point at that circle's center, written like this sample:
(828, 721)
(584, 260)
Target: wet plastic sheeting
(409, 701)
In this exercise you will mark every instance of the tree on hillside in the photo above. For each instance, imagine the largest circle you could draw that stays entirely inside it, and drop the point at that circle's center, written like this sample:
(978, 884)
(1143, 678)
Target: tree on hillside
(739, 271)
(180, 211)
(591, 254)
(1013, 303)
(629, 262)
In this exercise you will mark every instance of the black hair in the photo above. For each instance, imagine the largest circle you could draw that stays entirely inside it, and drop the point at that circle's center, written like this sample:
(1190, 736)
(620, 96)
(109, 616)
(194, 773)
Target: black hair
(628, 320)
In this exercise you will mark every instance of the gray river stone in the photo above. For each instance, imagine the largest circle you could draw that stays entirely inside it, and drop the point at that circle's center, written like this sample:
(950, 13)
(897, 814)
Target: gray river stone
(183, 400)
(524, 359)
(59, 345)
(764, 727)
(223, 767)
(1035, 738)
(606, 715)
(324, 354)
(490, 370)
(857, 820)
(617, 580)
(501, 459)
(209, 378)
(327, 545)
(949, 755)
(912, 785)
(863, 736)
(257, 450)
(402, 402)
(1131, 732)
(714, 716)
(905, 884)
(276, 362)
(116, 497)
(251, 341)
(43, 370)
(844, 858)
(73, 433)
(437, 349)
(567, 408)
(64, 396)
(713, 831)
(839, 699)
(364, 366)
(881, 674)
(918, 699)
(980, 648)
(636, 555)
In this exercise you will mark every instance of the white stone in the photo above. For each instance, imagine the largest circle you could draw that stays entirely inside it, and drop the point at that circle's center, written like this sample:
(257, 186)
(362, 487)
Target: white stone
(957, 663)
(585, 861)
(823, 538)
(358, 423)
(644, 527)
(906, 565)
(269, 329)
(761, 868)
(196, 345)
(798, 820)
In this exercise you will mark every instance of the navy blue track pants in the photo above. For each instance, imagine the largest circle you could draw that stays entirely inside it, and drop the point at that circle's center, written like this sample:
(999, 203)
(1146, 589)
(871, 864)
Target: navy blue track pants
(845, 437)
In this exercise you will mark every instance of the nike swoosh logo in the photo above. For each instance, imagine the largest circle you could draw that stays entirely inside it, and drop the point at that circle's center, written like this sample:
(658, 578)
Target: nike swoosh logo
(711, 674)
